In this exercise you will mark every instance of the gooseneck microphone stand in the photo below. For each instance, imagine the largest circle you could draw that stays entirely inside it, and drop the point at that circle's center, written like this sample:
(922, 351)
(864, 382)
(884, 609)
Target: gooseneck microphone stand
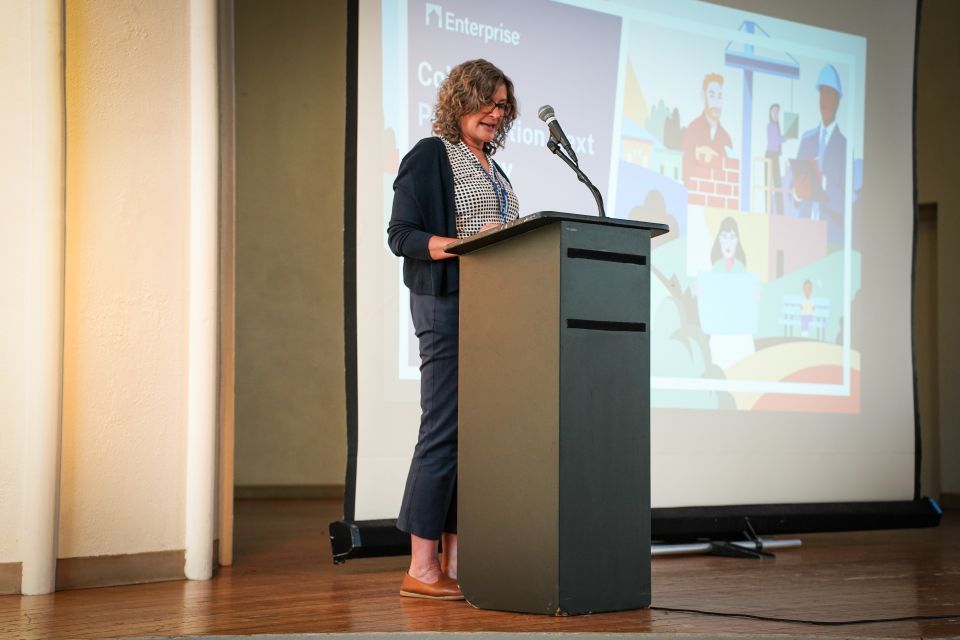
(554, 146)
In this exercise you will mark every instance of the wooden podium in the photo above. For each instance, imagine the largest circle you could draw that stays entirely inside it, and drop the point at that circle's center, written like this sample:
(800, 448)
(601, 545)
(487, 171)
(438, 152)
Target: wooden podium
(554, 417)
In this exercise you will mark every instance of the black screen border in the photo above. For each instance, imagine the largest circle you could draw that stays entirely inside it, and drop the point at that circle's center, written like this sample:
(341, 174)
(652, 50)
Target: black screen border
(351, 538)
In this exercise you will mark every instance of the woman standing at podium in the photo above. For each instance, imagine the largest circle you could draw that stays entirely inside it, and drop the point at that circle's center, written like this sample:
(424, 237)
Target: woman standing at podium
(448, 187)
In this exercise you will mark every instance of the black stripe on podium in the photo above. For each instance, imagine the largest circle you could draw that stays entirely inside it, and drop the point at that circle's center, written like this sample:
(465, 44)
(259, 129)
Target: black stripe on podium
(606, 256)
(605, 325)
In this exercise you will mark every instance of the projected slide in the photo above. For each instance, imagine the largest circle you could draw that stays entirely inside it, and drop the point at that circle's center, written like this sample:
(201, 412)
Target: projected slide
(774, 138)
(743, 132)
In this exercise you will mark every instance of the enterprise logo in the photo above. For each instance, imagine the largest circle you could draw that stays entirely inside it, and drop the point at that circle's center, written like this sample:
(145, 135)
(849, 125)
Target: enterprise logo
(449, 21)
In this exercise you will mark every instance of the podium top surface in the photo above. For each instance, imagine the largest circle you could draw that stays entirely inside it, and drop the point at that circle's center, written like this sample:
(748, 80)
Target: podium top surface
(540, 219)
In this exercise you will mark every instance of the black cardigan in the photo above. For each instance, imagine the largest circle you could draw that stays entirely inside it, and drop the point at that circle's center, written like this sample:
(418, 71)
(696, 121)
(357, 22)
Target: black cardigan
(424, 205)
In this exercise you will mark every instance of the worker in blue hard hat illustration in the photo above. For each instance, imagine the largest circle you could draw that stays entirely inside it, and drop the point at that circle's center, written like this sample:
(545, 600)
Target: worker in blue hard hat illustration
(819, 171)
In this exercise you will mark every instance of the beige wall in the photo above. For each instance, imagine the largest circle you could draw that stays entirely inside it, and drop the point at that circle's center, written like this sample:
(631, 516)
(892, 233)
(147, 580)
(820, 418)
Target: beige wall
(125, 343)
(14, 208)
(290, 97)
(125, 335)
(938, 166)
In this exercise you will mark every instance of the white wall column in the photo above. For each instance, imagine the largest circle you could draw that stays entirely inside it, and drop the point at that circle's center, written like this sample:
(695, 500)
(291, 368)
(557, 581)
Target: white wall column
(202, 392)
(45, 222)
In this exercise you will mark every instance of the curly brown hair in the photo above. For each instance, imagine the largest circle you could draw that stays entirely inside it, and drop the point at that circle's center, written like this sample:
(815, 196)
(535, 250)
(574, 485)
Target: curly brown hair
(468, 89)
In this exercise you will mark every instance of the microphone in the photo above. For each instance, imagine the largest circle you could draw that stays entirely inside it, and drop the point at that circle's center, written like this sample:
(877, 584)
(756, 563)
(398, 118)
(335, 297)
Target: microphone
(547, 115)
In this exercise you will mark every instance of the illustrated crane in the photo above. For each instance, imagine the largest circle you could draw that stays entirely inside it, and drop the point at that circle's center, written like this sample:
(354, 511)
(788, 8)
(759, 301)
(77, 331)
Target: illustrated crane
(751, 62)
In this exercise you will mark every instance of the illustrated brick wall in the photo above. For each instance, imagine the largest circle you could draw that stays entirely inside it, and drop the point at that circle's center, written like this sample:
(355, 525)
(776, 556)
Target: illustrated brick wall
(715, 186)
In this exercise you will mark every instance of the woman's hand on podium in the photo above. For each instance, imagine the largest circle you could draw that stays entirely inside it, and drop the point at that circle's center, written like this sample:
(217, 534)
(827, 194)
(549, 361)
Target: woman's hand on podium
(436, 244)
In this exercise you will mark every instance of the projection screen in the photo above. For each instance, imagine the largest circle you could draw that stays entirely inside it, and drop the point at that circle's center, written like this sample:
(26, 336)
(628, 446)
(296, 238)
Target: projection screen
(782, 363)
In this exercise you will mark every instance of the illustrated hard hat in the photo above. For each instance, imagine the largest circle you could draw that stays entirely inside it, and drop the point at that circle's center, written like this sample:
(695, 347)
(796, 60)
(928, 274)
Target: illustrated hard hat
(830, 78)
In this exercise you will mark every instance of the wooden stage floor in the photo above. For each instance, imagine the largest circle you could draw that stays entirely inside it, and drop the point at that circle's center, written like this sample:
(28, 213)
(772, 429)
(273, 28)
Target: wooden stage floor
(283, 581)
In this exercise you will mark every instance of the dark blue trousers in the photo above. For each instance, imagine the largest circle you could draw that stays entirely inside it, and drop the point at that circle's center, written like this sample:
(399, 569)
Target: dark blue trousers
(429, 505)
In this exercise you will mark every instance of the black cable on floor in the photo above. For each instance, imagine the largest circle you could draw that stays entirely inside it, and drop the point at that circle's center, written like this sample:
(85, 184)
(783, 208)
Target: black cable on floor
(821, 623)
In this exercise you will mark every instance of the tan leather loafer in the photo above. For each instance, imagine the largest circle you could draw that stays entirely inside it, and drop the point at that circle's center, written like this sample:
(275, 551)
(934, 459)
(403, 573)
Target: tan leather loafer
(442, 589)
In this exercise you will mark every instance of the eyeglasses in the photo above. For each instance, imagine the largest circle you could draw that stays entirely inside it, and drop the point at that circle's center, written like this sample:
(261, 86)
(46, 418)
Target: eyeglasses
(490, 106)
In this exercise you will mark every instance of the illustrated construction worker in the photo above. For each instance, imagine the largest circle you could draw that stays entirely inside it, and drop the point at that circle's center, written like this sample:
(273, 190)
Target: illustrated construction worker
(819, 174)
(705, 141)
